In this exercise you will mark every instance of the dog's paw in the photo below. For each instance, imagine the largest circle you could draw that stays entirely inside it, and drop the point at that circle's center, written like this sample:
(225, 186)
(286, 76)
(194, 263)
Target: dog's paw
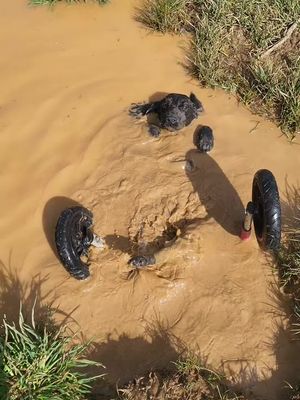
(154, 131)
(204, 139)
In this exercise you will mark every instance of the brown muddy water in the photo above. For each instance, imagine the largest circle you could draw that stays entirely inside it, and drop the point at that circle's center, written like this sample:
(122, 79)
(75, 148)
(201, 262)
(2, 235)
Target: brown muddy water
(68, 75)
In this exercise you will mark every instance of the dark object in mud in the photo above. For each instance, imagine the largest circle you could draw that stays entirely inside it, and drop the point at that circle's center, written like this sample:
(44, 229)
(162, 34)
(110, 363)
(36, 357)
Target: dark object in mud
(189, 166)
(174, 112)
(142, 261)
(204, 139)
(267, 214)
(73, 237)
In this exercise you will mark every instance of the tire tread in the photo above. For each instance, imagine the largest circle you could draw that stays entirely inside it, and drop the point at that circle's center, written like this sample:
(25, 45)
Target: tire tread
(70, 260)
(265, 183)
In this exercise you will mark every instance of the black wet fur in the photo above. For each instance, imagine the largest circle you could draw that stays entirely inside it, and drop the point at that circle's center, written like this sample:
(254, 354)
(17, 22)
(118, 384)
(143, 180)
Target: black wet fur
(154, 130)
(174, 112)
(139, 110)
(196, 102)
(204, 139)
(142, 261)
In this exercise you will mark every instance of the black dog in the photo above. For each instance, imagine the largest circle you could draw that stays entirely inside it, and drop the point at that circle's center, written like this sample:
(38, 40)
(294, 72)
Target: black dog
(174, 112)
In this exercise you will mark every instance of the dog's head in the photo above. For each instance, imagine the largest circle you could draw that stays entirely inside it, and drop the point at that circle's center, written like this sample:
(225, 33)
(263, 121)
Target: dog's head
(173, 119)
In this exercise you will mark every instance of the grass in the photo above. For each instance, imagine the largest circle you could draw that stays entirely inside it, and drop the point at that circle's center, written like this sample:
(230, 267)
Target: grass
(52, 2)
(41, 364)
(289, 266)
(289, 254)
(190, 380)
(289, 261)
(164, 15)
(228, 49)
(289, 272)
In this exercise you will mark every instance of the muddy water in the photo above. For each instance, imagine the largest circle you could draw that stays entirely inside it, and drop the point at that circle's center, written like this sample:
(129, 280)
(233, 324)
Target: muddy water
(67, 78)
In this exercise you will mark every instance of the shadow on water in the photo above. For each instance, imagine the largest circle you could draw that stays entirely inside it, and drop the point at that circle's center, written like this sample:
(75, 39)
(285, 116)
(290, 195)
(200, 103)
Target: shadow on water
(15, 294)
(264, 381)
(215, 192)
(127, 358)
(51, 213)
(270, 383)
(157, 96)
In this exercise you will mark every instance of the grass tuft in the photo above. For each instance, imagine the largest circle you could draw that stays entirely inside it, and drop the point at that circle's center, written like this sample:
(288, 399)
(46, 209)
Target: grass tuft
(164, 15)
(231, 48)
(38, 364)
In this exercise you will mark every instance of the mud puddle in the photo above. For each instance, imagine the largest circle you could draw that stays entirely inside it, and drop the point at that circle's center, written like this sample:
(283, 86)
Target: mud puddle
(67, 78)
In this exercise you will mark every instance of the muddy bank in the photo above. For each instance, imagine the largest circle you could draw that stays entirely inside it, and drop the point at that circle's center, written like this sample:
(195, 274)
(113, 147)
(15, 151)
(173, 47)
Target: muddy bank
(68, 77)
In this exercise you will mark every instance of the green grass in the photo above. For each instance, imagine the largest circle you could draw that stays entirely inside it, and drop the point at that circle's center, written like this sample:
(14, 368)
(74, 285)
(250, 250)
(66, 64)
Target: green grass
(41, 364)
(288, 263)
(52, 2)
(163, 15)
(229, 39)
(289, 254)
(289, 272)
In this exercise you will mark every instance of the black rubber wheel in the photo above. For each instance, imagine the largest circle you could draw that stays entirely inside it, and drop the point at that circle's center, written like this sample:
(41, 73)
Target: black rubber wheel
(73, 236)
(267, 215)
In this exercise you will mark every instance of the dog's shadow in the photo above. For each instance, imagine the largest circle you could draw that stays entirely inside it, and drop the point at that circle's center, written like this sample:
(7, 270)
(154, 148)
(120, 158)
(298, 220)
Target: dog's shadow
(157, 96)
(215, 191)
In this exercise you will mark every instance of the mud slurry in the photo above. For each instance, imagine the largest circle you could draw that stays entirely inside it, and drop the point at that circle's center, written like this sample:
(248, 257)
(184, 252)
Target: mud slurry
(66, 138)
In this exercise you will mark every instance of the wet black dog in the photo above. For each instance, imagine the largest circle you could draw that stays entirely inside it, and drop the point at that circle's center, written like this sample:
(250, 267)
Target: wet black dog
(174, 112)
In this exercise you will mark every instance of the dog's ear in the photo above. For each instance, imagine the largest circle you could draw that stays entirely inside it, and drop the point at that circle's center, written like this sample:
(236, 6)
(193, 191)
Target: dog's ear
(197, 102)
